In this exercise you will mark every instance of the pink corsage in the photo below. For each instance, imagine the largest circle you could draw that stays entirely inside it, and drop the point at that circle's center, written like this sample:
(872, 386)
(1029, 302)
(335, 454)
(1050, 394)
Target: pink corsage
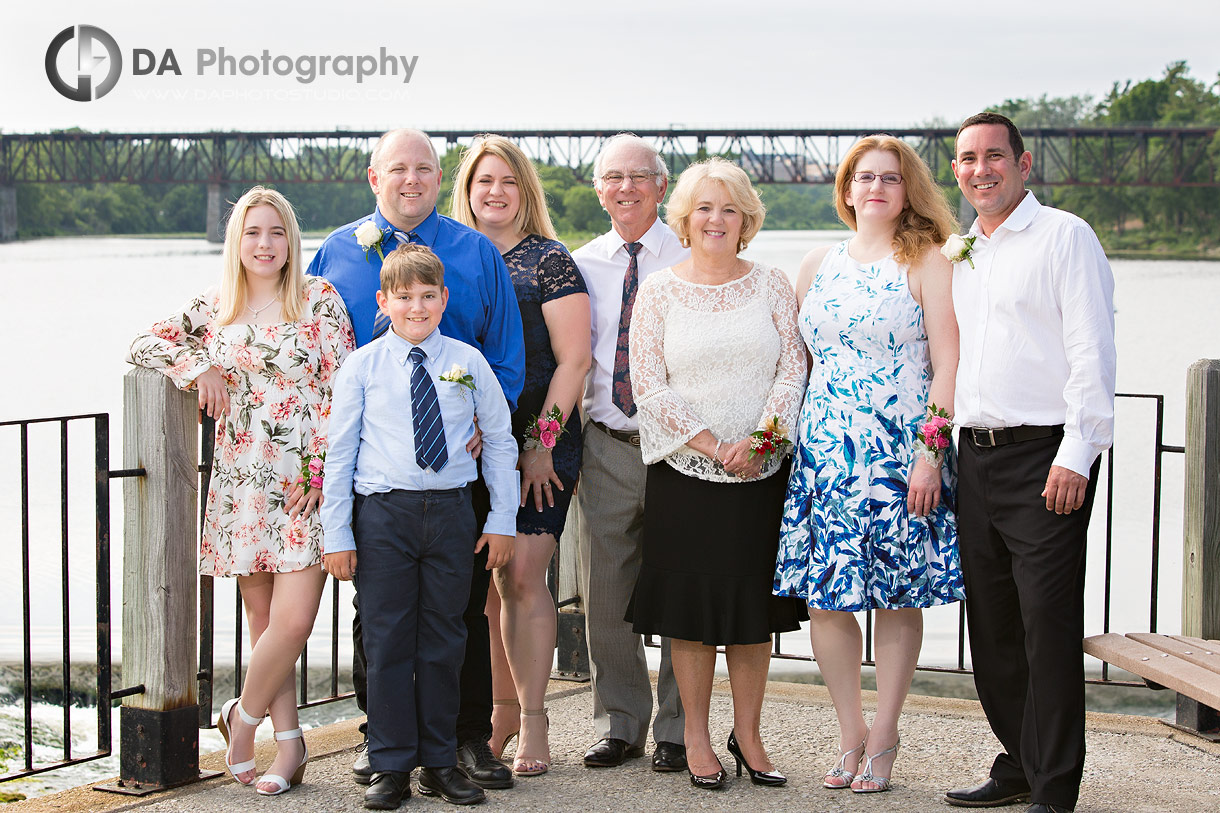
(545, 430)
(934, 435)
(311, 471)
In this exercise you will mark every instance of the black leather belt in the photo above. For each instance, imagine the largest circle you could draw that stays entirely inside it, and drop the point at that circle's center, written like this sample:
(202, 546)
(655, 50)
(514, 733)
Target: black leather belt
(988, 438)
(618, 434)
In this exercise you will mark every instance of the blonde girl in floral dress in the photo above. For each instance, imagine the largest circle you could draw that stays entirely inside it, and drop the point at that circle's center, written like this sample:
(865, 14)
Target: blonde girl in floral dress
(261, 350)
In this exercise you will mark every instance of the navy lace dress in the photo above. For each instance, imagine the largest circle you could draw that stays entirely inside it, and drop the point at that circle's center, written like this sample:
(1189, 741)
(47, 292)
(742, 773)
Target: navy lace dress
(542, 270)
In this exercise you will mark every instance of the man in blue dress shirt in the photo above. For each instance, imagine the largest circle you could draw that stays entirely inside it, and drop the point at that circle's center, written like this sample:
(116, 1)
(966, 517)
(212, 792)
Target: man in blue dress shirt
(405, 174)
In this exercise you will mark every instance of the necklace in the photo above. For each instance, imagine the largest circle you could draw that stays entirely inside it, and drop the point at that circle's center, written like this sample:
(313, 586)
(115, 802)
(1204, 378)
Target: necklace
(256, 311)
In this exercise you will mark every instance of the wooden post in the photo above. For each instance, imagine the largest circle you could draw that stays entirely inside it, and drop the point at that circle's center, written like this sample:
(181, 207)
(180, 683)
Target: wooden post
(1201, 525)
(572, 656)
(158, 731)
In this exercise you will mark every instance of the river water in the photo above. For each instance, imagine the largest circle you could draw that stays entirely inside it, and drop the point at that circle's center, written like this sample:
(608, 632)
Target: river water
(67, 358)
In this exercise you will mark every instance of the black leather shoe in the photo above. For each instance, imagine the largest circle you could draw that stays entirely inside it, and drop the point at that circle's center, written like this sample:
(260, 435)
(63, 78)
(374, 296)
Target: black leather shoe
(387, 790)
(991, 793)
(611, 752)
(476, 761)
(362, 772)
(1047, 809)
(669, 756)
(713, 781)
(451, 785)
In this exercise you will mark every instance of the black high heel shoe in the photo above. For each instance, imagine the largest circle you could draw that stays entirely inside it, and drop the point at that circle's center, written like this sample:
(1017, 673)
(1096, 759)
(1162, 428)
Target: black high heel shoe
(770, 779)
(711, 781)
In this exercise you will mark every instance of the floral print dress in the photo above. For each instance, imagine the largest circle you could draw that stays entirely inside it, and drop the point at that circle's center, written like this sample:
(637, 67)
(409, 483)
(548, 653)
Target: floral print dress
(847, 541)
(279, 381)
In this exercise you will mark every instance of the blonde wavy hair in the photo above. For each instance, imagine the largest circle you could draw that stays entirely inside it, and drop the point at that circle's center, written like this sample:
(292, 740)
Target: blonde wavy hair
(232, 299)
(927, 219)
(532, 215)
(734, 180)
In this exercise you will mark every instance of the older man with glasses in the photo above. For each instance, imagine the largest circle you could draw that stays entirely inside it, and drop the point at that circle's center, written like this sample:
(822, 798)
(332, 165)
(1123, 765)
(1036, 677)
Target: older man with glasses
(630, 179)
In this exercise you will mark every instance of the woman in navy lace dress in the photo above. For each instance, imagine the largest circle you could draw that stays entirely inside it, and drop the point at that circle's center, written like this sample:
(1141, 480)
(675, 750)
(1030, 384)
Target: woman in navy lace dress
(498, 192)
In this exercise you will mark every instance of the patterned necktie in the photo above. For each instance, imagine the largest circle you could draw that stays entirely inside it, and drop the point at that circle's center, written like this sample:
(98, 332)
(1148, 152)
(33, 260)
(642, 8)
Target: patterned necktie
(620, 394)
(381, 322)
(430, 451)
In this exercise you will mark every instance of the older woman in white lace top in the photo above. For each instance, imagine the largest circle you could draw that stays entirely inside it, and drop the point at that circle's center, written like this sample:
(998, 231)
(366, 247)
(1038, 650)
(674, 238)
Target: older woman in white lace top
(715, 356)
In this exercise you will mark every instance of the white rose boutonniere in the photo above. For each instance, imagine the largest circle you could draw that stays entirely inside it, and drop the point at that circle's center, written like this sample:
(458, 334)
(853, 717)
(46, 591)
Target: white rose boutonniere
(457, 375)
(370, 237)
(958, 248)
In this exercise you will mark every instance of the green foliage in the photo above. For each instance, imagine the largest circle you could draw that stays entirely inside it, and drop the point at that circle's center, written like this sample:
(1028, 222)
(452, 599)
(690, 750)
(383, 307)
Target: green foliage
(1134, 218)
(1174, 220)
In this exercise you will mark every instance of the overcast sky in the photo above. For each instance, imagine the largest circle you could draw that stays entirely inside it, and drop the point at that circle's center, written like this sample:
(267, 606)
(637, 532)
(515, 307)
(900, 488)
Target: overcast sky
(491, 64)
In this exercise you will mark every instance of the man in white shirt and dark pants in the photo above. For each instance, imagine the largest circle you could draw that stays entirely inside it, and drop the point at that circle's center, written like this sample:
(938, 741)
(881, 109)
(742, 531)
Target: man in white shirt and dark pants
(1035, 403)
(630, 179)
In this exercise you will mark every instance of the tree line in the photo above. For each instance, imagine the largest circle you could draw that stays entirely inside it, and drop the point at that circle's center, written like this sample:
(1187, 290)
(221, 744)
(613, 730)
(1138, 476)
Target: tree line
(1133, 218)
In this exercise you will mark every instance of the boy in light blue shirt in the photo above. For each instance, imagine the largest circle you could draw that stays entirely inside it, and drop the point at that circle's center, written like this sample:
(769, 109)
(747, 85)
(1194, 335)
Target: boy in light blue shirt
(403, 408)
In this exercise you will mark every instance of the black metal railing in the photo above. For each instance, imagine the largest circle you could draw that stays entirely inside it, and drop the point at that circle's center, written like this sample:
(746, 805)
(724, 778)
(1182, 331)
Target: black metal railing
(1160, 449)
(101, 554)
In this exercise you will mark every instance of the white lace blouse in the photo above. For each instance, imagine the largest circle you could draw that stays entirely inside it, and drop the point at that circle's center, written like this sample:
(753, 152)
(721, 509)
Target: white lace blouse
(718, 357)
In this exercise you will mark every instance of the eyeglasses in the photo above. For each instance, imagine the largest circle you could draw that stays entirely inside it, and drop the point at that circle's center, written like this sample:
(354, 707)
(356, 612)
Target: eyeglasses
(638, 177)
(888, 178)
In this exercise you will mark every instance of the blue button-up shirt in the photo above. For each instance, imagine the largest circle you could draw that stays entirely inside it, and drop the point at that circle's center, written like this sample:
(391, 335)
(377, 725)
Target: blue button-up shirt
(482, 308)
(372, 441)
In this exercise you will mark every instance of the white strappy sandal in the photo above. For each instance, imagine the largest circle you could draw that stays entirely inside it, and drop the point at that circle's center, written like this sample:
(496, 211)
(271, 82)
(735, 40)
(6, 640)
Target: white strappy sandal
(222, 723)
(882, 782)
(282, 784)
(839, 771)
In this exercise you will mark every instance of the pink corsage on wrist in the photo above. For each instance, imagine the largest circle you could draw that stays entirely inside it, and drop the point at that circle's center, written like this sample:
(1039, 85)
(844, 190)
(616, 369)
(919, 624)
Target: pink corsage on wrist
(934, 435)
(770, 441)
(545, 430)
(311, 471)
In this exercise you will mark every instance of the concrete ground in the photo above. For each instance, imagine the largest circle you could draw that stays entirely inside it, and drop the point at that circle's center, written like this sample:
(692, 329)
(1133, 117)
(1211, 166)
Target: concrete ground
(1134, 764)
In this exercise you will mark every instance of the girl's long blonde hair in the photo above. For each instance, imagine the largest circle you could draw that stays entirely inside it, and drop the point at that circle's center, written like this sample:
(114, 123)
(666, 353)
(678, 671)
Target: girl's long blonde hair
(232, 299)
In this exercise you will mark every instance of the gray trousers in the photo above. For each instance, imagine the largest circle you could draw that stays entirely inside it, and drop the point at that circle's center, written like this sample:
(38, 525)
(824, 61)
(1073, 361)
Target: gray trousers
(610, 502)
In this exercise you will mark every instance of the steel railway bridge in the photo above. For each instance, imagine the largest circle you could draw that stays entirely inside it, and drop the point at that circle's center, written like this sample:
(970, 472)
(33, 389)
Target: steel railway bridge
(1116, 156)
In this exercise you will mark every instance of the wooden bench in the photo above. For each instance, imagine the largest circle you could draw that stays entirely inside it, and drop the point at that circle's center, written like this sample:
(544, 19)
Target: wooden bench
(1189, 666)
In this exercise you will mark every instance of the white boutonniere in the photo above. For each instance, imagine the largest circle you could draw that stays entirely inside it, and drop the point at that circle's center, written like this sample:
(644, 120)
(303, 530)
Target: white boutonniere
(370, 237)
(958, 248)
(457, 375)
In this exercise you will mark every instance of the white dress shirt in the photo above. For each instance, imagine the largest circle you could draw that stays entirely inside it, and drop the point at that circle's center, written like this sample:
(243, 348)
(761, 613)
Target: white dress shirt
(1036, 319)
(603, 262)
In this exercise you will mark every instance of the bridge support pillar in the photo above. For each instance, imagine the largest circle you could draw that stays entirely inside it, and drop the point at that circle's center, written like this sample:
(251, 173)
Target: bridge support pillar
(8, 213)
(965, 214)
(213, 229)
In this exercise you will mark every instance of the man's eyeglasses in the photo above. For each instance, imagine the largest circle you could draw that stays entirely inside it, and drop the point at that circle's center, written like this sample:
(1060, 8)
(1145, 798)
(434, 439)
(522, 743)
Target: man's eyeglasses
(888, 178)
(639, 177)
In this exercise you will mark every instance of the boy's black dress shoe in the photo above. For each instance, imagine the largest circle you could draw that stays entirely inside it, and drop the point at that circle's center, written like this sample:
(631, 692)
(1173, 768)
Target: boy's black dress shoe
(476, 761)
(611, 752)
(387, 790)
(1047, 809)
(451, 785)
(362, 771)
(991, 793)
(669, 756)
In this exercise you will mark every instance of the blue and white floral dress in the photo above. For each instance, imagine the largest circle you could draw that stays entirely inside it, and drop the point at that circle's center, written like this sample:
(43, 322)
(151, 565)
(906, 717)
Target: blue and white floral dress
(847, 541)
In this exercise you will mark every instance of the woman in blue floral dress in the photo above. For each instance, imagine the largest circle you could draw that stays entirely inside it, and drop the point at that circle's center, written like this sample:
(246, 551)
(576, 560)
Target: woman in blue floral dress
(498, 191)
(868, 520)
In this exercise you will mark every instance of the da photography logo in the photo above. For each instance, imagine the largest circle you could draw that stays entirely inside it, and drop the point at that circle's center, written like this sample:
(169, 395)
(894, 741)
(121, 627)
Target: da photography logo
(93, 47)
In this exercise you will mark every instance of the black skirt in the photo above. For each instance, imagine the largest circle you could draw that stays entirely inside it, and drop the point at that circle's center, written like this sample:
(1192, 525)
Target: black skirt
(709, 560)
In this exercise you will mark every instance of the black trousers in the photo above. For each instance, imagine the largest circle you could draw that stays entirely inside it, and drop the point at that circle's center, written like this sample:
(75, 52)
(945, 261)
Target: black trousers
(1024, 568)
(413, 573)
(474, 692)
